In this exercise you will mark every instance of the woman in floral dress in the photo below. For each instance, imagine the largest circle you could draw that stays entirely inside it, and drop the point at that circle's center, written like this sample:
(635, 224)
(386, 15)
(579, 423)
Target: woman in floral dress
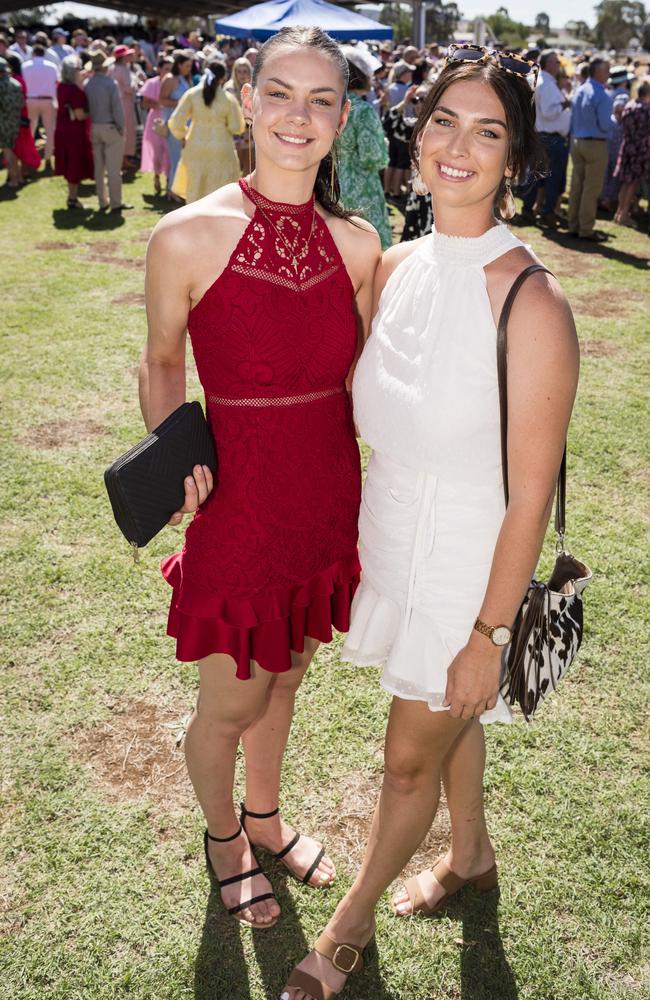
(362, 153)
(634, 156)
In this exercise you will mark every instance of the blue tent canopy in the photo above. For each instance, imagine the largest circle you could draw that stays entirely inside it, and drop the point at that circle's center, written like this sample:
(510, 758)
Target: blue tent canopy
(265, 19)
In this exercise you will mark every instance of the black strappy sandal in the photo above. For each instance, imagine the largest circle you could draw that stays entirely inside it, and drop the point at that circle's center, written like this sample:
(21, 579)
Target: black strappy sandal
(281, 855)
(238, 878)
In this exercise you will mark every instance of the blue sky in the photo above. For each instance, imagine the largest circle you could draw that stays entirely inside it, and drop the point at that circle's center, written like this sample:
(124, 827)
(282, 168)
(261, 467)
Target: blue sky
(559, 11)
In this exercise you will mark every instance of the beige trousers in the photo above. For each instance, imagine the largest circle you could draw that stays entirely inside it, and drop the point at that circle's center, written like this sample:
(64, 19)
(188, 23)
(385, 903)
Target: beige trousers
(108, 149)
(589, 165)
(45, 109)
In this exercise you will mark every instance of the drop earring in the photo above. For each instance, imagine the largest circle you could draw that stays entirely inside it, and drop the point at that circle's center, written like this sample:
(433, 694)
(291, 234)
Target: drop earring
(333, 171)
(507, 206)
(249, 129)
(418, 185)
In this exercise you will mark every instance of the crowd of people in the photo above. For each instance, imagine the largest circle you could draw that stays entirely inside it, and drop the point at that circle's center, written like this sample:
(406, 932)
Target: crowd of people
(172, 107)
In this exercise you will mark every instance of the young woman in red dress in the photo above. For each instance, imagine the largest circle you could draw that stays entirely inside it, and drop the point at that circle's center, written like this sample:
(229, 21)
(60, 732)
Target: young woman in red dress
(273, 281)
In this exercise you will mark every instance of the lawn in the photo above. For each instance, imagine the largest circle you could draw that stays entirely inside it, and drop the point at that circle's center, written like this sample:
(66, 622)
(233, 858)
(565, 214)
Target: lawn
(103, 889)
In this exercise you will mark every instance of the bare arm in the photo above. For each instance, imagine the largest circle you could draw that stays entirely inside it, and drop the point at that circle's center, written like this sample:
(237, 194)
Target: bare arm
(161, 379)
(167, 87)
(543, 362)
(369, 255)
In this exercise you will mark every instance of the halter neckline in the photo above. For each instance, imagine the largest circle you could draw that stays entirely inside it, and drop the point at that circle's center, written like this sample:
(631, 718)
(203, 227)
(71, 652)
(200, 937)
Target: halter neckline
(281, 207)
(477, 250)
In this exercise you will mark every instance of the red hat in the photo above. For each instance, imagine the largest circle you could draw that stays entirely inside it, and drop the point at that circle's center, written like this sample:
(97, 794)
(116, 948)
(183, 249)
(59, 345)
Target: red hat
(122, 50)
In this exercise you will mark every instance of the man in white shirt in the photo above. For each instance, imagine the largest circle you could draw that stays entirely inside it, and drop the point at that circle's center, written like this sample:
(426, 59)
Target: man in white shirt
(552, 121)
(20, 46)
(40, 79)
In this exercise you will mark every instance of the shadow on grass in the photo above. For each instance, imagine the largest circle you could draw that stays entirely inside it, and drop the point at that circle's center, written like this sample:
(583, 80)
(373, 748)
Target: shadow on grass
(71, 218)
(159, 203)
(485, 973)
(221, 971)
(602, 249)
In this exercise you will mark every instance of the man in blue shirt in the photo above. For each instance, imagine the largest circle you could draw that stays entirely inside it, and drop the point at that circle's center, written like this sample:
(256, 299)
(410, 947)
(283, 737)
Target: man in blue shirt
(590, 125)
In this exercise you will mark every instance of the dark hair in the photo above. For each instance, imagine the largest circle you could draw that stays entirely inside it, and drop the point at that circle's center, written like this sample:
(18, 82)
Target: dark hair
(218, 71)
(15, 63)
(595, 64)
(644, 90)
(358, 80)
(179, 56)
(38, 50)
(524, 148)
(545, 56)
(299, 37)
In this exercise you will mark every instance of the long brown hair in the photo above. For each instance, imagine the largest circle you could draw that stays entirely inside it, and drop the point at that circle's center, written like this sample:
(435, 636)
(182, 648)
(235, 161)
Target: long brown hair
(298, 37)
(525, 153)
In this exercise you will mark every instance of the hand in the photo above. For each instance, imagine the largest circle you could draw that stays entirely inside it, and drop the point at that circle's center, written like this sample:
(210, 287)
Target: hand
(411, 92)
(473, 679)
(197, 488)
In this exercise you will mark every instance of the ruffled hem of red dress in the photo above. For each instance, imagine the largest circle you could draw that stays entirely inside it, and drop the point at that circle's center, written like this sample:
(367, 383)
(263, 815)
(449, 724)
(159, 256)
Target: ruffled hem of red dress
(266, 628)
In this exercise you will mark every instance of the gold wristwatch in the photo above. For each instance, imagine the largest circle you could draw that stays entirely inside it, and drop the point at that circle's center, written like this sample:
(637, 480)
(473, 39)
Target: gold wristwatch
(500, 635)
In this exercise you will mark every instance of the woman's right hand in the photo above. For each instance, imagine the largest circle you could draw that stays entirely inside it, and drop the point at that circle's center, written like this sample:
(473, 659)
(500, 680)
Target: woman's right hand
(198, 486)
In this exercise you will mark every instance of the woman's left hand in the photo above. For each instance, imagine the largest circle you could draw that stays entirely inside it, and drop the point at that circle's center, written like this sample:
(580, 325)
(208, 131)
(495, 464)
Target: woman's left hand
(473, 679)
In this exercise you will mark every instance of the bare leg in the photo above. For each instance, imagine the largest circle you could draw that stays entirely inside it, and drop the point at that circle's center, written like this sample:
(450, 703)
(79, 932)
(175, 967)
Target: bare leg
(471, 851)
(225, 708)
(417, 742)
(625, 199)
(264, 745)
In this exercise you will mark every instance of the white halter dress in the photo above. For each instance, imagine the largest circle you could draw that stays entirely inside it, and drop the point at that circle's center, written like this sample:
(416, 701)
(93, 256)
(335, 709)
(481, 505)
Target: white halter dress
(426, 400)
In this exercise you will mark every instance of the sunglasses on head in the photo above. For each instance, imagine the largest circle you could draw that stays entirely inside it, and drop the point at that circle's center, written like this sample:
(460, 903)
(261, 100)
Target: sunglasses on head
(506, 61)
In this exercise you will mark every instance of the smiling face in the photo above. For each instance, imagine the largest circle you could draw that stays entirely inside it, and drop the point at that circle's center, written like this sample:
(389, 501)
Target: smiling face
(297, 106)
(243, 73)
(464, 146)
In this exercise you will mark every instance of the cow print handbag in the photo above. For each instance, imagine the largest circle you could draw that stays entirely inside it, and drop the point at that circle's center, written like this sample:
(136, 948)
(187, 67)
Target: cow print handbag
(547, 631)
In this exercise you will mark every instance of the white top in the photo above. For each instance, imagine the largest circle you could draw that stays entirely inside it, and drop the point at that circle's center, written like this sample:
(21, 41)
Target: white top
(432, 356)
(40, 77)
(426, 399)
(551, 115)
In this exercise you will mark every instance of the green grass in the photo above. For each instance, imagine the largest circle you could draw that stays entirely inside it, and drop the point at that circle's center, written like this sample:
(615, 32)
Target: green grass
(103, 891)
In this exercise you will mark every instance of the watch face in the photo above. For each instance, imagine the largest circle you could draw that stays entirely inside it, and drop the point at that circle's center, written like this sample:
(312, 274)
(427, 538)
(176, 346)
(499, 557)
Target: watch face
(501, 635)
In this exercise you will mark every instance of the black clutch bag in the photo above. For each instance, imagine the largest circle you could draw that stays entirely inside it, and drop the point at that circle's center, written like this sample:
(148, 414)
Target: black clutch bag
(146, 484)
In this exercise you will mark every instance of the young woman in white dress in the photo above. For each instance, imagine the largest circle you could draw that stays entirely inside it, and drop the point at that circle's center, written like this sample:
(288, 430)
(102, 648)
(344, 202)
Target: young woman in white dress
(438, 549)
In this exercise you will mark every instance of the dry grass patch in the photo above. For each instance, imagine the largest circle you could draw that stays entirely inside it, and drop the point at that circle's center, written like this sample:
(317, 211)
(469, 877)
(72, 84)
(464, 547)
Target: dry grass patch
(129, 299)
(63, 433)
(600, 349)
(55, 245)
(137, 753)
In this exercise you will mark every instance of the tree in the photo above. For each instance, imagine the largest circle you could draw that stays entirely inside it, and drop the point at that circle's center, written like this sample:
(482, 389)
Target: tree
(28, 15)
(507, 31)
(543, 23)
(617, 22)
(400, 18)
(441, 21)
(580, 29)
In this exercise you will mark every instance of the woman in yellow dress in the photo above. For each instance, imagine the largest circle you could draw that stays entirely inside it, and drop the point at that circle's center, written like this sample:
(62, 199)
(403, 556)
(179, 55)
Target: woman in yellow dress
(208, 160)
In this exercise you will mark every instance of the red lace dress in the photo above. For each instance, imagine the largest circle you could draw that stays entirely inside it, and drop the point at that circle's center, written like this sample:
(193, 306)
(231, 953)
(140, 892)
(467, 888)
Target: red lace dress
(271, 556)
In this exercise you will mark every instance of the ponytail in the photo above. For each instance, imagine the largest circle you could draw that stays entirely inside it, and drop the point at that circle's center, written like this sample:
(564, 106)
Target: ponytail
(214, 73)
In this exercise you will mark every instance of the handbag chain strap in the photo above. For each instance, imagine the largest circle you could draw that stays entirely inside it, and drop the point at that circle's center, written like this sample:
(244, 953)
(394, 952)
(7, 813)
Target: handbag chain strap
(502, 374)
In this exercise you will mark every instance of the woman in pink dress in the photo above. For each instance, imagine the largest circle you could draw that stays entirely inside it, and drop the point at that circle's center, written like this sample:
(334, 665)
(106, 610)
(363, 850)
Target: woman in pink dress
(122, 73)
(155, 156)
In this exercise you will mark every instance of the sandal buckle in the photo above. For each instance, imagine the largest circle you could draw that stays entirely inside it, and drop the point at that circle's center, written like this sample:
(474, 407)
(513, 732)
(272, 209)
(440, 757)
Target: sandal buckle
(346, 970)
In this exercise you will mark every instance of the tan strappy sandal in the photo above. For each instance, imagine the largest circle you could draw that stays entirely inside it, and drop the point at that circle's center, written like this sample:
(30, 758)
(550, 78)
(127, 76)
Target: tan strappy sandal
(451, 883)
(346, 958)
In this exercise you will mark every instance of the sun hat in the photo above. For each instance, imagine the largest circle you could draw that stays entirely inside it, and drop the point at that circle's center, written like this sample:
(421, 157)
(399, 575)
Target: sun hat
(402, 67)
(620, 74)
(361, 57)
(122, 50)
(99, 60)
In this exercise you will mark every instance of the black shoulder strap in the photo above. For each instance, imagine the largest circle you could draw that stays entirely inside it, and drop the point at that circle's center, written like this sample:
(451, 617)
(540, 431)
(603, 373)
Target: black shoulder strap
(502, 373)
